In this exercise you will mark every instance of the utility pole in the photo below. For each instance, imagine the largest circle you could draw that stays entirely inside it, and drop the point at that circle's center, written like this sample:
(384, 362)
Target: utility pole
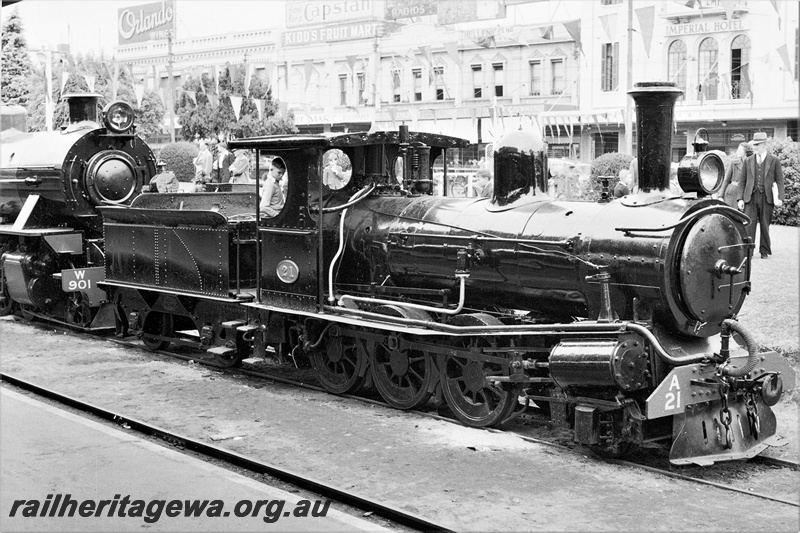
(171, 98)
(629, 78)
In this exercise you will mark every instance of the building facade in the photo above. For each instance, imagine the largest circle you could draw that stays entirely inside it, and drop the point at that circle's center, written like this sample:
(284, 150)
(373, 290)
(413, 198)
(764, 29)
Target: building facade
(476, 68)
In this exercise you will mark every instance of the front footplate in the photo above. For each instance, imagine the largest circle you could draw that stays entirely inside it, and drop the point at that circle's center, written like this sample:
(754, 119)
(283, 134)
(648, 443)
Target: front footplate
(700, 436)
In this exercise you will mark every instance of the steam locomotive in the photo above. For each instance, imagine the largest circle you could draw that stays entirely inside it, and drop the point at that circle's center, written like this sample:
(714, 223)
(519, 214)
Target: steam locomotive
(51, 235)
(615, 317)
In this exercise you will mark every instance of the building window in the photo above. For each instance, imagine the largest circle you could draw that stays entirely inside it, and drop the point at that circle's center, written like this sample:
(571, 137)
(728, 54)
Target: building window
(536, 78)
(609, 64)
(676, 64)
(362, 86)
(740, 67)
(441, 88)
(609, 2)
(477, 81)
(499, 78)
(557, 69)
(396, 85)
(417, 75)
(342, 89)
(605, 143)
(707, 64)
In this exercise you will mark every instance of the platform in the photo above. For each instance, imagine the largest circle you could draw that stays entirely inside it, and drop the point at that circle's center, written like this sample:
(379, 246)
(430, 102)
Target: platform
(47, 452)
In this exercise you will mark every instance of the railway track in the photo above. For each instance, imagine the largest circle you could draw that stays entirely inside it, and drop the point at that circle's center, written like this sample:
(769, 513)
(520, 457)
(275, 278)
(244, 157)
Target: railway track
(763, 459)
(363, 503)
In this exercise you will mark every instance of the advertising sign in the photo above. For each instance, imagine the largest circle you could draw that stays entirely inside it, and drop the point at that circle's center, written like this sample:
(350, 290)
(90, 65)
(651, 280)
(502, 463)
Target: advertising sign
(148, 22)
(339, 32)
(313, 12)
(403, 9)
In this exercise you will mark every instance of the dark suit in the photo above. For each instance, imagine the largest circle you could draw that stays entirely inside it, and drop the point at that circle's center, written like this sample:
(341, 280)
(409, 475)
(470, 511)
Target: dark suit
(759, 202)
(224, 172)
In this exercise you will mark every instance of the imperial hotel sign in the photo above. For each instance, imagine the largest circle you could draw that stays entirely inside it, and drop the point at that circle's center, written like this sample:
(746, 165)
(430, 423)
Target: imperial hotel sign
(148, 22)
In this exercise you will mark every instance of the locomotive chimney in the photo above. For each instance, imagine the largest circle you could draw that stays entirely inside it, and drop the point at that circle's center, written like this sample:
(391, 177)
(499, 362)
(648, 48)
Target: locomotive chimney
(655, 104)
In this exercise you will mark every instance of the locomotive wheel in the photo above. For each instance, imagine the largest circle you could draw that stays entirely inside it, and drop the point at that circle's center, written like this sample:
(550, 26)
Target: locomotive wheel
(404, 378)
(156, 324)
(6, 303)
(474, 400)
(340, 366)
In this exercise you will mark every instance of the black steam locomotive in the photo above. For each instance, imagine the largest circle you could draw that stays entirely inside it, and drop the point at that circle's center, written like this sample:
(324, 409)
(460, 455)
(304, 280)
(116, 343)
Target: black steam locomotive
(51, 235)
(616, 317)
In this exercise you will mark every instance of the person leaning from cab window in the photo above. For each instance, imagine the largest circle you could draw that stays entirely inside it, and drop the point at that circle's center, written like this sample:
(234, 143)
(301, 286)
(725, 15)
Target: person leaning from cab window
(333, 176)
(272, 198)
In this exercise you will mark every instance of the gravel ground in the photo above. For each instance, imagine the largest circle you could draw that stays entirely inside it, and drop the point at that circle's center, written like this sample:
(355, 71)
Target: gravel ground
(463, 478)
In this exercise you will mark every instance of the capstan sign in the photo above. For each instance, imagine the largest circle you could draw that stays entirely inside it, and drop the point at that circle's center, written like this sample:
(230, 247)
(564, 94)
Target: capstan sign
(148, 22)
(314, 12)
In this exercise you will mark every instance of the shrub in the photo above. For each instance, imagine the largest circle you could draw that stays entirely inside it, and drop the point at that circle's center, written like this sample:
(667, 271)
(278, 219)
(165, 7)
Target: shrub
(609, 165)
(788, 152)
(178, 157)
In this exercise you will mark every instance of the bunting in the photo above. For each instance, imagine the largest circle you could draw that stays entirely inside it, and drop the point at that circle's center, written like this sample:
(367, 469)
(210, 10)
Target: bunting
(64, 78)
(308, 65)
(728, 6)
(609, 23)
(90, 81)
(573, 27)
(646, 16)
(193, 97)
(248, 76)
(138, 90)
(351, 62)
(777, 11)
(260, 102)
(452, 51)
(546, 32)
(784, 53)
(216, 79)
(283, 108)
(236, 103)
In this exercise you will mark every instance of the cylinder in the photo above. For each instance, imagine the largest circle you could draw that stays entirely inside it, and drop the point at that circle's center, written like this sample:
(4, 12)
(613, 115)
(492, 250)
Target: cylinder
(619, 363)
(655, 105)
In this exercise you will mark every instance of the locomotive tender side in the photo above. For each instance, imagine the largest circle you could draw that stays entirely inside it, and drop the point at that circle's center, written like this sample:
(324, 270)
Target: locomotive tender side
(614, 317)
(51, 184)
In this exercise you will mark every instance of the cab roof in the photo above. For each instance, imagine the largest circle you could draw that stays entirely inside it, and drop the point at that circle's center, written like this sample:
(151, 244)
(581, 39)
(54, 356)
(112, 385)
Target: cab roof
(343, 140)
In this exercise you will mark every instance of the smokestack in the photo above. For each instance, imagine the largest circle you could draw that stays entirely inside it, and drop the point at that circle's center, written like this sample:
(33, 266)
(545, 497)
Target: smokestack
(655, 105)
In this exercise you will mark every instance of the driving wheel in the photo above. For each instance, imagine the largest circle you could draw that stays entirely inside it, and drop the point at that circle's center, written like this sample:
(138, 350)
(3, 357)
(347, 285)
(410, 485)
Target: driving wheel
(473, 398)
(156, 324)
(340, 366)
(405, 378)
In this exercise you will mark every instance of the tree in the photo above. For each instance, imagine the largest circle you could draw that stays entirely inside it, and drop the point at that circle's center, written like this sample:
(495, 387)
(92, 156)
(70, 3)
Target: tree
(150, 116)
(16, 64)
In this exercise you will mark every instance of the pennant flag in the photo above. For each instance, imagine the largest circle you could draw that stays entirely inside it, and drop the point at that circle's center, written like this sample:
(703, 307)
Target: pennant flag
(609, 23)
(283, 109)
(90, 81)
(775, 6)
(308, 65)
(162, 96)
(138, 90)
(247, 77)
(573, 27)
(646, 16)
(259, 102)
(236, 102)
(268, 68)
(426, 51)
(452, 51)
(784, 53)
(351, 62)
(728, 6)
(193, 97)
(546, 32)
(216, 79)
(64, 78)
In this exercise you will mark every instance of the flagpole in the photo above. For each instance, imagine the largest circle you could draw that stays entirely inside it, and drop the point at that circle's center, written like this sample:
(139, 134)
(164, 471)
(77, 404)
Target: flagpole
(171, 98)
(629, 78)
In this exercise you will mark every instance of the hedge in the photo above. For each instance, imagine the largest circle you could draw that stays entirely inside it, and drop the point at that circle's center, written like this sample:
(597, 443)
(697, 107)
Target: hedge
(609, 165)
(789, 154)
(179, 158)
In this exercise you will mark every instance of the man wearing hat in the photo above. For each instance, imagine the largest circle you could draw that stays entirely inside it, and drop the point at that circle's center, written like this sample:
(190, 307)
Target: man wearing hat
(164, 181)
(223, 163)
(760, 190)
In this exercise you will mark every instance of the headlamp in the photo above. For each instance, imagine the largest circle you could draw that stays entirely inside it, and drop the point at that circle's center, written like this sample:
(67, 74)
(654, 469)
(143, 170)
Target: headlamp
(118, 117)
(703, 171)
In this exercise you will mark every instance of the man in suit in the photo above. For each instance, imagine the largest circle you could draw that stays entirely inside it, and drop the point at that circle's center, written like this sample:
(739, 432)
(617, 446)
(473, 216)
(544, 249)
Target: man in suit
(760, 190)
(224, 161)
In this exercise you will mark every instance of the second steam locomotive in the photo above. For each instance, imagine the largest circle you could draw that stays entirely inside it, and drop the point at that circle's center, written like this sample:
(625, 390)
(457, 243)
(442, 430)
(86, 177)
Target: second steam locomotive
(616, 318)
